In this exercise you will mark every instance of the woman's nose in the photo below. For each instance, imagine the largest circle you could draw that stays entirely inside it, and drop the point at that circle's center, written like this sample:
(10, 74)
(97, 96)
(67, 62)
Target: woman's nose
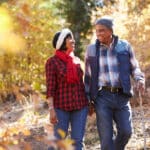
(73, 40)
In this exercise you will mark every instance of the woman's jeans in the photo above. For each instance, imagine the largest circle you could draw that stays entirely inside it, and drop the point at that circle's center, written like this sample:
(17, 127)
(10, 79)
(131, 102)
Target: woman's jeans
(77, 120)
(113, 107)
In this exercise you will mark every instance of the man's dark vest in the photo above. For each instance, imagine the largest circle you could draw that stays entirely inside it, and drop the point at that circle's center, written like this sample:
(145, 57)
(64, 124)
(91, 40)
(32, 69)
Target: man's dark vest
(123, 56)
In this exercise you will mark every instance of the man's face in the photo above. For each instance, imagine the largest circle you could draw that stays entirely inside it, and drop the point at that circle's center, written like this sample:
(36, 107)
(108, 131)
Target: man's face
(103, 33)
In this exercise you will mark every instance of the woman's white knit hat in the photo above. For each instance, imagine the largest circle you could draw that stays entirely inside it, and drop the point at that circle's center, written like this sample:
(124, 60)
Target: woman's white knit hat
(64, 32)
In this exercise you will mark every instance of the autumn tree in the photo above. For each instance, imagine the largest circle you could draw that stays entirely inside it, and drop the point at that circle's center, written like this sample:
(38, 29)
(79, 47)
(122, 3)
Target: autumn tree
(35, 23)
(77, 15)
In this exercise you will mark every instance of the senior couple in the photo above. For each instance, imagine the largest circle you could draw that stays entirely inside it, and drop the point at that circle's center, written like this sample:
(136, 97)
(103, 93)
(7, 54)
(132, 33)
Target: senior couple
(109, 64)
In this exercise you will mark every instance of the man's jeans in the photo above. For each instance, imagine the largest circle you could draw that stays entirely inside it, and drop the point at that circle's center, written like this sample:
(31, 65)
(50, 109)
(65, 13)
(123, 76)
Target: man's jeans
(77, 120)
(113, 107)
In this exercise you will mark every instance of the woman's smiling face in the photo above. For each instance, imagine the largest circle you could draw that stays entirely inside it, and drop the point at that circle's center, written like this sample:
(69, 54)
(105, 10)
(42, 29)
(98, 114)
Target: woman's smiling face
(70, 44)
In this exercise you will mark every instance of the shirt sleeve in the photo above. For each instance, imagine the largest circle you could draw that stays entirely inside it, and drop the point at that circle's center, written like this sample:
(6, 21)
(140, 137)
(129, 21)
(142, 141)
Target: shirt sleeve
(50, 78)
(136, 71)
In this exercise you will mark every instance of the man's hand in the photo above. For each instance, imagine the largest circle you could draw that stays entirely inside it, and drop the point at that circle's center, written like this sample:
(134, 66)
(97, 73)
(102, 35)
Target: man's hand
(141, 86)
(91, 108)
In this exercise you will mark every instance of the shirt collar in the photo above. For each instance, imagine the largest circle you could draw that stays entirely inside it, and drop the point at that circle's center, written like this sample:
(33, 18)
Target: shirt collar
(106, 46)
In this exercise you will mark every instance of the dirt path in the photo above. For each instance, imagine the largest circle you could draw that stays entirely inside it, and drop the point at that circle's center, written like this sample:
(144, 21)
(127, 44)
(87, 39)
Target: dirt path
(137, 140)
(34, 120)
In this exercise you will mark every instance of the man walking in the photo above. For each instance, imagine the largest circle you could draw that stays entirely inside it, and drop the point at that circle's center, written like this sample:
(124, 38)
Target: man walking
(110, 63)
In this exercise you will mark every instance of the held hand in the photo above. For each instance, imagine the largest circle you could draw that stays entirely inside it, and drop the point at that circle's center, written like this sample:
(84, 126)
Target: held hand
(53, 117)
(141, 86)
(91, 108)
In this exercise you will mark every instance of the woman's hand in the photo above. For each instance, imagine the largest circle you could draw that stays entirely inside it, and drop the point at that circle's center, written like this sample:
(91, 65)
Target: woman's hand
(53, 117)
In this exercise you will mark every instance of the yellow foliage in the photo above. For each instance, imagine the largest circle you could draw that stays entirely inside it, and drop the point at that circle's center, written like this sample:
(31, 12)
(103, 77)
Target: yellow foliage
(66, 144)
(2, 132)
(7, 135)
(61, 133)
(6, 23)
(2, 148)
(26, 132)
(9, 41)
(15, 142)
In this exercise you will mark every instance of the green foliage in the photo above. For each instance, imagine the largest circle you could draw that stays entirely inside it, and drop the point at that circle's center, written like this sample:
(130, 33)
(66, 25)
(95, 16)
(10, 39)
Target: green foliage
(77, 14)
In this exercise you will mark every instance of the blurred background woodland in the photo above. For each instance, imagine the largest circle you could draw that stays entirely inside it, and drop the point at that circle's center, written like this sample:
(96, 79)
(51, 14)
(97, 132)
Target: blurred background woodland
(26, 31)
(27, 28)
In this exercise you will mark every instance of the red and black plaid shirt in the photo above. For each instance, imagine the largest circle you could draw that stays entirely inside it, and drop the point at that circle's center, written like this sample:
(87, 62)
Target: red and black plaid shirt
(66, 96)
